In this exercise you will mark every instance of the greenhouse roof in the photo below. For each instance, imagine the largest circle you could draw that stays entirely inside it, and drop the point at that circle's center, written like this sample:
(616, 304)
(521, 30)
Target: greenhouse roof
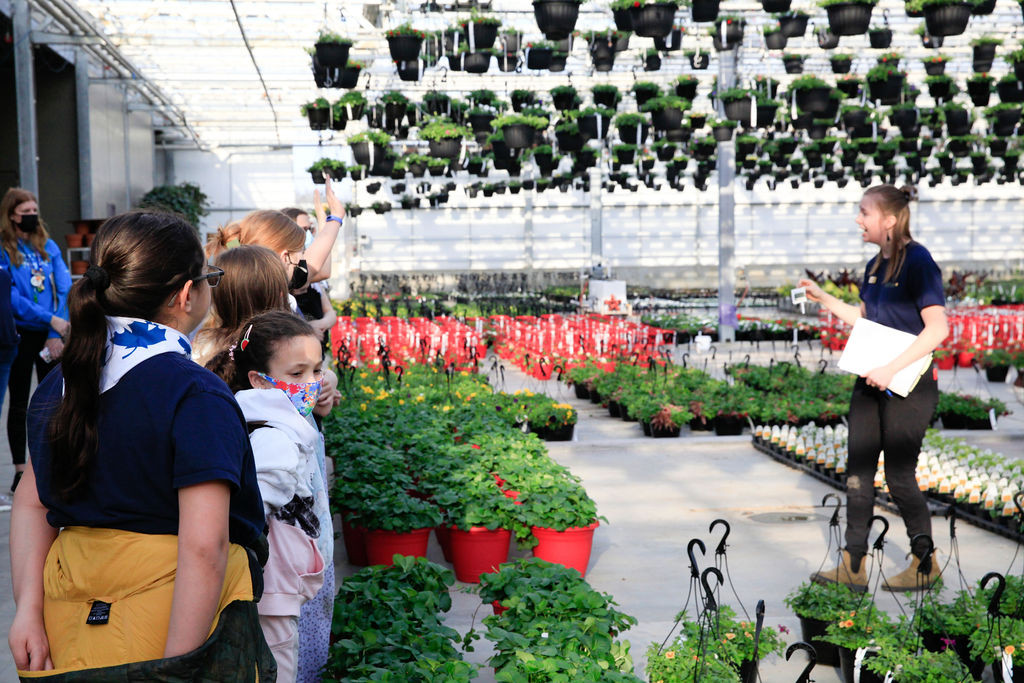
(235, 72)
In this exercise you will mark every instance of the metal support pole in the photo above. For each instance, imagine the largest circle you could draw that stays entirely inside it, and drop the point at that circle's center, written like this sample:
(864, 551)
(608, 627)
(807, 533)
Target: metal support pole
(726, 212)
(86, 209)
(597, 214)
(126, 122)
(25, 93)
(528, 232)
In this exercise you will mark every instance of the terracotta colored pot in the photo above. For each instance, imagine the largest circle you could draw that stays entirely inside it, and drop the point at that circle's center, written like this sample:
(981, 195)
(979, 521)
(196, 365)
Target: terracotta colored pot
(74, 240)
(79, 267)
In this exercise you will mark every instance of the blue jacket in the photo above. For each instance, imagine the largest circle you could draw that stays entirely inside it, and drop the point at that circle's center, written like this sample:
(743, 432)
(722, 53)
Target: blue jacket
(32, 309)
(8, 332)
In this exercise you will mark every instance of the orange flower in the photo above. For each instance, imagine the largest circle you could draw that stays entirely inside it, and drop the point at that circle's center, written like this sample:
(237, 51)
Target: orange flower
(670, 655)
(1009, 649)
(730, 636)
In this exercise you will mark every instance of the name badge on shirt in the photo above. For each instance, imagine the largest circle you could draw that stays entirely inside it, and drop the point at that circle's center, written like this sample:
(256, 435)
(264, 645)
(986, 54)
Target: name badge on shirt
(873, 279)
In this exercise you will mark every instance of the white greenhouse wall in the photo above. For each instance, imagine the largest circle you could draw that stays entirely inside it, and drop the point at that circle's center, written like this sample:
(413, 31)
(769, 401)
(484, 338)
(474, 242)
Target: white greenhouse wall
(661, 237)
(119, 179)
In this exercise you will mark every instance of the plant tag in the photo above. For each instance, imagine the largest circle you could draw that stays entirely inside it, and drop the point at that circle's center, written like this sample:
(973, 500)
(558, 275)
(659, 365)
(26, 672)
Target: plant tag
(753, 110)
(1007, 666)
(858, 662)
(992, 417)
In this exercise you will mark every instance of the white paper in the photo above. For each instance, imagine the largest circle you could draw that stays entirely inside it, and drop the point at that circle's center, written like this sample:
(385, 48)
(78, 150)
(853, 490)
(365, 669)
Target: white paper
(872, 345)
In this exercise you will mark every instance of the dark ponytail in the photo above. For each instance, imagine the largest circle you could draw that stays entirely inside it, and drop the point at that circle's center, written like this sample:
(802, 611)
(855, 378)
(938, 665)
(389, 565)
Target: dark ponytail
(255, 346)
(139, 260)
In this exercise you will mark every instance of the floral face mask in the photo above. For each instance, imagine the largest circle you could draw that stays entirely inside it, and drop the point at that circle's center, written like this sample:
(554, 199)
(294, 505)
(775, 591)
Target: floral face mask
(302, 396)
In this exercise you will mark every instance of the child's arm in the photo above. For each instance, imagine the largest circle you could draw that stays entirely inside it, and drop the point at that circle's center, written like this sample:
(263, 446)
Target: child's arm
(277, 466)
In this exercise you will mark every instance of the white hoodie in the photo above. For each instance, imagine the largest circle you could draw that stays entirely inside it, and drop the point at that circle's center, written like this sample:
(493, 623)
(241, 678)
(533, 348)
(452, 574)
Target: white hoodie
(284, 448)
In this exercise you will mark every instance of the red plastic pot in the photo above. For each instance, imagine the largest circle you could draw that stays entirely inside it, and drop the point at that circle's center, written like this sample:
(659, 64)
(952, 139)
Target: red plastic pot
(964, 358)
(478, 551)
(355, 541)
(497, 608)
(382, 545)
(946, 363)
(570, 548)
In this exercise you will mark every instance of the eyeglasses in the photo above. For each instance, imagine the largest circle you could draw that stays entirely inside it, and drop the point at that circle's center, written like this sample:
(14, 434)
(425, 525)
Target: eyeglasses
(213, 276)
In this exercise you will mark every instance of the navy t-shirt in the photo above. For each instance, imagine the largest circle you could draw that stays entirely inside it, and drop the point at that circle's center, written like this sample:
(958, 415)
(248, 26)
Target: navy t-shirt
(167, 424)
(898, 302)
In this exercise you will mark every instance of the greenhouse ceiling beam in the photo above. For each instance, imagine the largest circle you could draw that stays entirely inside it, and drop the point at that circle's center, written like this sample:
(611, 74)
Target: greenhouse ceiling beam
(75, 22)
(45, 38)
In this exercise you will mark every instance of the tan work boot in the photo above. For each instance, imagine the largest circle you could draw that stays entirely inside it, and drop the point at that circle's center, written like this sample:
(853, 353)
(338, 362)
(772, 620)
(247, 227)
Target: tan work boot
(910, 579)
(844, 574)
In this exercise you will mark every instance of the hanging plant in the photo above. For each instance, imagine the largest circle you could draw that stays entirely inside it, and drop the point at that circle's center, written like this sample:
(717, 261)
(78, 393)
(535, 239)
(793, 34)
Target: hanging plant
(480, 30)
(945, 17)
(556, 19)
(983, 52)
(332, 50)
(699, 59)
(405, 42)
(848, 17)
(733, 26)
(774, 38)
(793, 63)
(979, 89)
(318, 112)
(794, 23)
(880, 38)
(666, 111)
(841, 62)
(565, 97)
(651, 18)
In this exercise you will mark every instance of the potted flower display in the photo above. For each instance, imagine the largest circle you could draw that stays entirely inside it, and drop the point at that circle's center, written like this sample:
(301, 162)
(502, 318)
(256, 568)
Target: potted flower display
(848, 17)
(405, 42)
(445, 137)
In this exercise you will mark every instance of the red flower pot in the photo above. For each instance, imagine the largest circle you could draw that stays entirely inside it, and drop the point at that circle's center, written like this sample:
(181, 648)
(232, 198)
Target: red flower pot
(946, 363)
(964, 358)
(477, 551)
(570, 548)
(355, 542)
(382, 545)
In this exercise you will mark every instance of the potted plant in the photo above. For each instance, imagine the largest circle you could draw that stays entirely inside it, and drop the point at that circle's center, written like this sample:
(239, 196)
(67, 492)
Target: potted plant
(318, 112)
(556, 19)
(818, 605)
(522, 98)
(565, 97)
(405, 42)
(332, 50)
(979, 88)
(722, 129)
(394, 522)
(479, 518)
(945, 17)
(793, 63)
(841, 62)
(353, 210)
(848, 17)
(645, 90)
(885, 83)
(368, 147)
(983, 52)
(650, 18)
(632, 127)
(666, 111)
(481, 30)
(733, 26)
(880, 38)
(856, 629)
(794, 23)
(539, 54)
(812, 93)
(445, 137)
(774, 37)
(652, 59)
(436, 166)
(381, 207)
(518, 130)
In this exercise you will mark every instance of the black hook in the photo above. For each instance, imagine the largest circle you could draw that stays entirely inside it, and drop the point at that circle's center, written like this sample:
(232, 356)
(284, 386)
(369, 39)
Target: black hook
(822, 366)
(1016, 501)
(758, 624)
(835, 513)
(720, 550)
(709, 596)
(880, 541)
(400, 372)
(993, 603)
(951, 515)
(694, 572)
(746, 360)
(714, 351)
(686, 356)
(925, 565)
(812, 659)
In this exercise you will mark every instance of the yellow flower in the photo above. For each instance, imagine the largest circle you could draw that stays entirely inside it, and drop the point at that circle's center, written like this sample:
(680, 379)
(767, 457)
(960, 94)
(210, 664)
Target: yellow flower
(401, 401)
(420, 399)
(446, 409)
(362, 406)
(362, 375)
(367, 390)
(670, 655)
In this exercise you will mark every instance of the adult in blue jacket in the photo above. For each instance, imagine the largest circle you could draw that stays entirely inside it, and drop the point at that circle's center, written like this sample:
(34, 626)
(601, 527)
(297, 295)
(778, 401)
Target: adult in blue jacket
(39, 299)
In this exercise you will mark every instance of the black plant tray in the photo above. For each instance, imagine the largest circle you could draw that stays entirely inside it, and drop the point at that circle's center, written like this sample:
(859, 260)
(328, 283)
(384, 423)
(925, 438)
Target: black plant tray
(935, 505)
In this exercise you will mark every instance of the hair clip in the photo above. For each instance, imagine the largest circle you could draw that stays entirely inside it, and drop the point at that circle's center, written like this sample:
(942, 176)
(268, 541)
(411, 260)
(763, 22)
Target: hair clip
(245, 338)
(233, 242)
(231, 351)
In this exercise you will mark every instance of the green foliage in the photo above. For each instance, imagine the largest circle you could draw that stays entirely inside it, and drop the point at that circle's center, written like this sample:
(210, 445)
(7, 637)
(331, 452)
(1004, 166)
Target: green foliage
(185, 199)
(824, 602)
(377, 137)
(442, 128)
(326, 36)
(535, 122)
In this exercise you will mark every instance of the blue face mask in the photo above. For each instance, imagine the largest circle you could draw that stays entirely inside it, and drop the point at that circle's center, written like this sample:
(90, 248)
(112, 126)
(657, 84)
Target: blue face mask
(309, 239)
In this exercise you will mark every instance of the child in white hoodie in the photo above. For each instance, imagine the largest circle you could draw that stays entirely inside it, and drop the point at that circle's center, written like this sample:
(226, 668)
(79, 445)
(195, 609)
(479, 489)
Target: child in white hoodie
(274, 368)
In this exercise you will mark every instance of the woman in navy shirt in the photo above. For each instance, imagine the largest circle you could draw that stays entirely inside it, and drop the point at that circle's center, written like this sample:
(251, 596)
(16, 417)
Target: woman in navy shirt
(902, 289)
(40, 302)
(139, 511)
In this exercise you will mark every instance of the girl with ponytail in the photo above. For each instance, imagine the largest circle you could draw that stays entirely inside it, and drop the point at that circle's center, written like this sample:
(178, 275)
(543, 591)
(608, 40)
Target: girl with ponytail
(139, 509)
(902, 289)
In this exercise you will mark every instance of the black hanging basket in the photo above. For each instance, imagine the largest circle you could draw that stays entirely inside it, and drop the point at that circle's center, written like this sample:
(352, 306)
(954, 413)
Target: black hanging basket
(408, 71)
(840, 66)
(934, 68)
(733, 37)
(738, 110)
(653, 21)
(484, 35)
(722, 133)
(606, 98)
(476, 62)
(602, 55)
(776, 40)
(700, 61)
(520, 100)
(687, 90)
(814, 100)
(538, 58)
(507, 62)
(556, 19)
(652, 63)
(623, 19)
(557, 64)
(670, 43)
(979, 92)
(776, 6)
(564, 100)
(594, 126)
(982, 57)
(332, 55)
(793, 25)
(405, 48)
(888, 91)
(849, 18)
(947, 20)
(794, 64)
(704, 10)
(349, 77)
(826, 39)
(984, 8)
(446, 148)
(517, 135)
(669, 118)
(766, 114)
(1010, 91)
(361, 153)
(848, 88)
(319, 118)
(880, 38)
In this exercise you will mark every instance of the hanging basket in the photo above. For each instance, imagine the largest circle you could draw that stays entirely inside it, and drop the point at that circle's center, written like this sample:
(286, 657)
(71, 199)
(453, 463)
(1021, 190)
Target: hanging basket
(776, 6)
(518, 135)
(484, 35)
(538, 58)
(332, 55)
(594, 126)
(827, 40)
(687, 90)
(766, 114)
(623, 19)
(556, 19)
(880, 38)
(670, 43)
(700, 61)
(793, 25)
(776, 40)
(476, 62)
(319, 118)
(982, 57)
(738, 110)
(602, 55)
(704, 10)
(814, 100)
(1010, 91)
(667, 119)
(405, 48)
(654, 20)
(840, 66)
(887, 91)
(446, 148)
(652, 63)
(794, 64)
(947, 20)
(849, 18)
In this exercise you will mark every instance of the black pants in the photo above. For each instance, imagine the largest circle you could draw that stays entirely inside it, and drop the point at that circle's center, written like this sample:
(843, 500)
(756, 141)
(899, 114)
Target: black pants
(895, 425)
(19, 384)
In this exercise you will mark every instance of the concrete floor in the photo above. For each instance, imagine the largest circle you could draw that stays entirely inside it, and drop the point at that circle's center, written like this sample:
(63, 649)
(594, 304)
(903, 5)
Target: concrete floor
(658, 494)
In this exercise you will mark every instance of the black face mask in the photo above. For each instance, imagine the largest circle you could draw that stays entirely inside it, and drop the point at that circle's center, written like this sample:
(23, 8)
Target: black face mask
(29, 223)
(300, 276)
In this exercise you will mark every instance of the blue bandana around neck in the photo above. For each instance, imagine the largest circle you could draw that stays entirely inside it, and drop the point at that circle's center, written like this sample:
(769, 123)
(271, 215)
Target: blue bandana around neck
(133, 340)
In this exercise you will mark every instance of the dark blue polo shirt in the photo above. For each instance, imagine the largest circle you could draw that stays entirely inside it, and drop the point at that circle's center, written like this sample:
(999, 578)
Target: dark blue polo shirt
(898, 302)
(167, 424)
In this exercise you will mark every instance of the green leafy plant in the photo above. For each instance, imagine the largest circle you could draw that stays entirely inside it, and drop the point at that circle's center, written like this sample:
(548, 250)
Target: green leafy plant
(535, 122)
(326, 36)
(185, 199)
(442, 128)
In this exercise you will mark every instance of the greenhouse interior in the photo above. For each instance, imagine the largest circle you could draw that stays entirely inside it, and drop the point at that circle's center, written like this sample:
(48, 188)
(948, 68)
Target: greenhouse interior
(594, 278)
